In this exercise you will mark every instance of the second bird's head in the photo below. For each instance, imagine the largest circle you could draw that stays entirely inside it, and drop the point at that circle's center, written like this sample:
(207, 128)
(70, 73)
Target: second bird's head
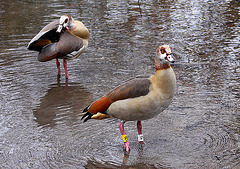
(65, 22)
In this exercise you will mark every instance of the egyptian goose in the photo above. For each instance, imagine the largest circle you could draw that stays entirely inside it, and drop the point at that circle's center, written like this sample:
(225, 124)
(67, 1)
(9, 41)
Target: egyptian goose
(64, 39)
(138, 99)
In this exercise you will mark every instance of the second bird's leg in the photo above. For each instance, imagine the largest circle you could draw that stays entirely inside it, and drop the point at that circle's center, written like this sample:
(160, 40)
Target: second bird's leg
(58, 66)
(124, 136)
(65, 68)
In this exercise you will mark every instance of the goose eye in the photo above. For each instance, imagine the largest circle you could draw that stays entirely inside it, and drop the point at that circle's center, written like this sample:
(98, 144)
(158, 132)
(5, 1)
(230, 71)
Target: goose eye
(162, 51)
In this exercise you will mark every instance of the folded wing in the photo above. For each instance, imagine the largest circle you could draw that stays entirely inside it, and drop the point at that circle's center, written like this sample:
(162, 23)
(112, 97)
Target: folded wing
(46, 36)
(134, 88)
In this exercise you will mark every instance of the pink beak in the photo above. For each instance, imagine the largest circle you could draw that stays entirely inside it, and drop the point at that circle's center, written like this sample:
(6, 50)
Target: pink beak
(59, 29)
(170, 58)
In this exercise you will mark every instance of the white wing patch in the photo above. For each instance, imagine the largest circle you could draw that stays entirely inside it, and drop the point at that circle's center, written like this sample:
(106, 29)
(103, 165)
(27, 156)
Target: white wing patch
(74, 54)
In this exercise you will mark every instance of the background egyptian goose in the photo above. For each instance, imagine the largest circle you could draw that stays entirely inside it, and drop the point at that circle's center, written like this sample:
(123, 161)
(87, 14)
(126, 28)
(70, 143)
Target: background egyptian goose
(140, 98)
(61, 39)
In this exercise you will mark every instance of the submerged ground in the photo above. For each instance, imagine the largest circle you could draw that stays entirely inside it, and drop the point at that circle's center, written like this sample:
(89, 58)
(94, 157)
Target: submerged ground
(40, 116)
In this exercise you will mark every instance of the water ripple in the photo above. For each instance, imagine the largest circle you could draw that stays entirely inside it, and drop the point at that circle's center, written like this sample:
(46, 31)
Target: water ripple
(40, 112)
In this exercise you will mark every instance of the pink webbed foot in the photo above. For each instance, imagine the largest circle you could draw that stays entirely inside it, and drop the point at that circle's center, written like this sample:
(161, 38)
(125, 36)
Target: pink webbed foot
(127, 146)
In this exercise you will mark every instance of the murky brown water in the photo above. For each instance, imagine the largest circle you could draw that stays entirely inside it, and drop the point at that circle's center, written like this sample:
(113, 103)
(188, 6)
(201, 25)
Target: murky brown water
(40, 116)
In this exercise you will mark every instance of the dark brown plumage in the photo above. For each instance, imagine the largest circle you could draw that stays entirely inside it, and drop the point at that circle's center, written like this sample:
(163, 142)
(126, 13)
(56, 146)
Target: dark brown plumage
(61, 39)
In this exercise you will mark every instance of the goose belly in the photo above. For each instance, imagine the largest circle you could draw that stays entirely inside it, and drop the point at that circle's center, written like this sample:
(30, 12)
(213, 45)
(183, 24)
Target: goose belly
(140, 108)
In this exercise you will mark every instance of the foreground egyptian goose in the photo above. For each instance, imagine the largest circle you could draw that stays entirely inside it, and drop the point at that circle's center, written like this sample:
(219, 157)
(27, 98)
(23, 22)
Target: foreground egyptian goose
(61, 39)
(140, 98)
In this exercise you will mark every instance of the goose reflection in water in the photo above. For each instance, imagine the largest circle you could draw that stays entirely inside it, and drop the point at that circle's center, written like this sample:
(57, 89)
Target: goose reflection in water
(141, 161)
(62, 101)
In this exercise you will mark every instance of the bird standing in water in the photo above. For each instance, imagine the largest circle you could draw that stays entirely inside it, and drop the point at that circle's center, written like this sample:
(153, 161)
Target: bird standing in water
(64, 39)
(139, 99)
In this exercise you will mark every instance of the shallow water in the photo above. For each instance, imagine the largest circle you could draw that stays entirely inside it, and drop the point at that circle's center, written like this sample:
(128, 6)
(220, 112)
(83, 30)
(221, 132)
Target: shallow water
(40, 116)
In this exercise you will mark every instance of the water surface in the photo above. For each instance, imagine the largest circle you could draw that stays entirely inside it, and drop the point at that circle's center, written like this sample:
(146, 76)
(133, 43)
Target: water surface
(40, 116)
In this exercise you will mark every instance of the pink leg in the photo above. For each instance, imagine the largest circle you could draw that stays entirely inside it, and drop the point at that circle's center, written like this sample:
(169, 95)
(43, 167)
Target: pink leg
(140, 135)
(124, 136)
(65, 68)
(58, 66)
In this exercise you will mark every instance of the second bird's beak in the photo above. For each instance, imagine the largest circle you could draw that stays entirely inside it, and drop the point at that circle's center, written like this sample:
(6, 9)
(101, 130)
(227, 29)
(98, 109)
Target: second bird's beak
(59, 29)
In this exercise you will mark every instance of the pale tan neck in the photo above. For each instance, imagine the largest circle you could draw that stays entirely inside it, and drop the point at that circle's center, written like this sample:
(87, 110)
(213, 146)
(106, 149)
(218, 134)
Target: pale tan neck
(164, 80)
(81, 31)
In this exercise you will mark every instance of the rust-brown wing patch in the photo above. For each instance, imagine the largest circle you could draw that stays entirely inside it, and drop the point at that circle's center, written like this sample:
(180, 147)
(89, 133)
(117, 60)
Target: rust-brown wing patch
(42, 42)
(97, 110)
(100, 105)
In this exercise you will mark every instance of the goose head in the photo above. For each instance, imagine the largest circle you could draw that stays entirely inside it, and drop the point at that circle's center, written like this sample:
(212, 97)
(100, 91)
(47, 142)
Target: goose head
(163, 57)
(65, 22)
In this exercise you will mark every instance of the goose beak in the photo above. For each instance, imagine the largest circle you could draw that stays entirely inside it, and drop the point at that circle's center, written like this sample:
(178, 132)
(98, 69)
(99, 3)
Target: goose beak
(170, 58)
(59, 29)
